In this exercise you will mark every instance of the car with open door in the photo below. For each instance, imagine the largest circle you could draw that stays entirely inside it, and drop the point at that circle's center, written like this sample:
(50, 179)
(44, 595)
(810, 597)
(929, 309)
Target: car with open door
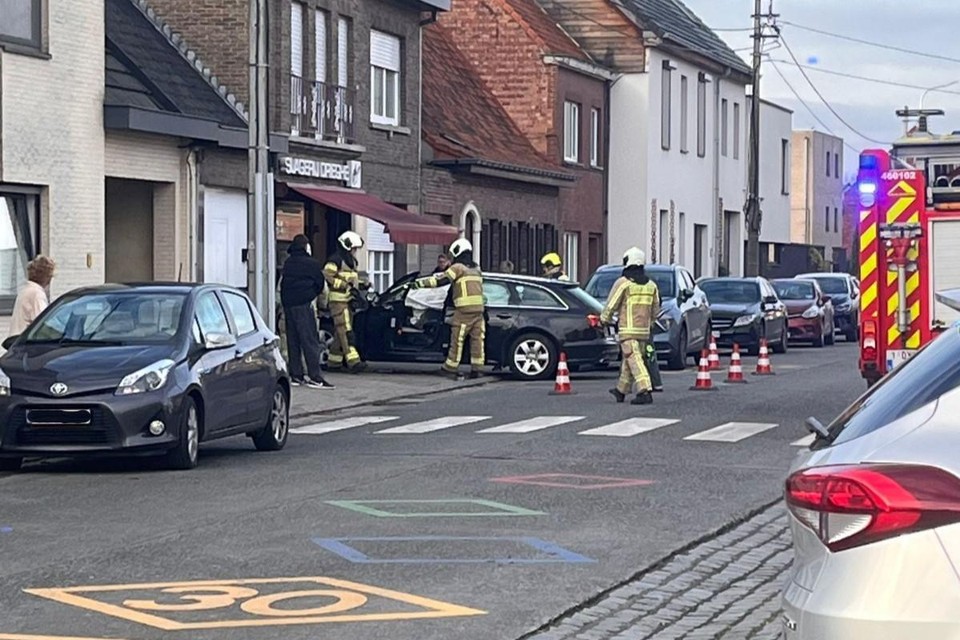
(530, 322)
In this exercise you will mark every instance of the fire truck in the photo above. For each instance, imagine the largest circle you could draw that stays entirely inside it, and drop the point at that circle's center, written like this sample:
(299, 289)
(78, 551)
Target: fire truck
(909, 243)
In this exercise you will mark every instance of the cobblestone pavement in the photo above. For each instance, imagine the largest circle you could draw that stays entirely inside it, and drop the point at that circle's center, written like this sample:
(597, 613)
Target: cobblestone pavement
(727, 587)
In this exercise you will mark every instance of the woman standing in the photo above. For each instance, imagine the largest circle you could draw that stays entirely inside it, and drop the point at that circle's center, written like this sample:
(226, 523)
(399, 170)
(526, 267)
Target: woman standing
(32, 299)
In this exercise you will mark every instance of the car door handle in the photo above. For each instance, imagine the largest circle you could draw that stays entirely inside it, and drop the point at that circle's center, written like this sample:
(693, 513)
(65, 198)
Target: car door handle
(238, 354)
(505, 316)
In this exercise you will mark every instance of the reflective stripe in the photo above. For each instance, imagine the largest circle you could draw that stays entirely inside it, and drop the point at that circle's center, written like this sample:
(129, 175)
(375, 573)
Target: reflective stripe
(468, 301)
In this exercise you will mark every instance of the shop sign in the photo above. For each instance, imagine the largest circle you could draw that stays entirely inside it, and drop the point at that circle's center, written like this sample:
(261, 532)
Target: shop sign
(348, 173)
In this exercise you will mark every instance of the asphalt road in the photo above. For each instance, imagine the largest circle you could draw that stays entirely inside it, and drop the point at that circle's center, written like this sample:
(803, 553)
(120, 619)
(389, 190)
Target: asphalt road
(457, 539)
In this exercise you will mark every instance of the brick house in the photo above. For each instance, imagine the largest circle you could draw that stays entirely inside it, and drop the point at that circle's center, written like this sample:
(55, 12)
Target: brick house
(556, 95)
(480, 173)
(345, 91)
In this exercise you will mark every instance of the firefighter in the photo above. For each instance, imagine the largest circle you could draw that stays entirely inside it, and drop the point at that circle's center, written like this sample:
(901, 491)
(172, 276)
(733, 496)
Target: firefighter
(553, 267)
(636, 299)
(466, 289)
(343, 283)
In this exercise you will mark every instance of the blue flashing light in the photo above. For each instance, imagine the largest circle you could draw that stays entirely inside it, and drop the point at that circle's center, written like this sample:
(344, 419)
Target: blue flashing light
(868, 162)
(867, 188)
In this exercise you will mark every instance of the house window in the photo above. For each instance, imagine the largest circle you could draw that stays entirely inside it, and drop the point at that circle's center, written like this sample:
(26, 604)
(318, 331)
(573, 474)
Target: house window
(784, 166)
(343, 52)
(702, 116)
(594, 137)
(19, 226)
(666, 83)
(736, 130)
(320, 46)
(724, 127)
(384, 78)
(571, 254)
(828, 164)
(684, 115)
(21, 23)
(836, 219)
(381, 269)
(836, 165)
(298, 92)
(828, 218)
(571, 132)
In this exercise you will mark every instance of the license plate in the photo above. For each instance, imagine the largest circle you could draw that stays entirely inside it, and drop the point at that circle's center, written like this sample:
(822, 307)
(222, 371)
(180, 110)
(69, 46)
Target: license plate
(896, 357)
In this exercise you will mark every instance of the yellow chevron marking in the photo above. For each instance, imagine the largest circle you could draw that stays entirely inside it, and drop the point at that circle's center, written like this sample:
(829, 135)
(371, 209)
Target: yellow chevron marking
(913, 342)
(868, 266)
(891, 277)
(893, 334)
(913, 282)
(868, 237)
(864, 214)
(868, 297)
(901, 205)
(902, 189)
(892, 304)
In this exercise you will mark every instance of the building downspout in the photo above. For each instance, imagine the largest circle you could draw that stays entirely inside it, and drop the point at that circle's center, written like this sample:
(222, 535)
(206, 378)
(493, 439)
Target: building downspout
(413, 253)
(193, 204)
(607, 119)
(718, 213)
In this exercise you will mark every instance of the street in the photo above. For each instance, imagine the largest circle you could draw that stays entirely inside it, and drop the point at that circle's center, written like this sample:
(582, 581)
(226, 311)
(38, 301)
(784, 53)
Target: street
(484, 513)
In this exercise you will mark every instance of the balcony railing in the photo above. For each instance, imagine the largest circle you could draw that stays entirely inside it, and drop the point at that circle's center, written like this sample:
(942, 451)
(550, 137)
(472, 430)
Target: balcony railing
(321, 111)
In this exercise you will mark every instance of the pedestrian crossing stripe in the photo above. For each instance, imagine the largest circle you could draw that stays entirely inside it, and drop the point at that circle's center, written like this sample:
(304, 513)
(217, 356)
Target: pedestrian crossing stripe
(730, 432)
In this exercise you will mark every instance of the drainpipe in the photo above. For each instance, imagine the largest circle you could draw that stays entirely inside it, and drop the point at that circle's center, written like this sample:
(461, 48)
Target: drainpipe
(718, 214)
(193, 197)
(411, 264)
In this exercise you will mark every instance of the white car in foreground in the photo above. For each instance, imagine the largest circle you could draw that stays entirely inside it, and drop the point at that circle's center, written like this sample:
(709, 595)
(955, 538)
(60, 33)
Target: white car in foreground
(875, 511)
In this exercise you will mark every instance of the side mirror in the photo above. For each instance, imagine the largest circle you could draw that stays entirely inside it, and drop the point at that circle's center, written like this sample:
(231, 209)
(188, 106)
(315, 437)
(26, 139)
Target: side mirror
(826, 299)
(771, 300)
(686, 294)
(217, 341)
(9, 342)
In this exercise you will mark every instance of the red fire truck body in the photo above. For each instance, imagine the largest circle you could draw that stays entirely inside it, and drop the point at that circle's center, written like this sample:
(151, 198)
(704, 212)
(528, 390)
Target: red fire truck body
(909, 246)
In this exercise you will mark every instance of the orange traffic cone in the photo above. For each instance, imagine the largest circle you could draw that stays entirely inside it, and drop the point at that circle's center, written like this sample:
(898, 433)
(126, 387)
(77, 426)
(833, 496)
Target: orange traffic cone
(562, 386)
(735, 374)
(763, 362)
(714, 357)
(703, 374)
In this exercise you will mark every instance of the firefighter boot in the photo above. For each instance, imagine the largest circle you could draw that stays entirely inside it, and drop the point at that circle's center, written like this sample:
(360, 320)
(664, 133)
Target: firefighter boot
(619, 397)
(644, 397)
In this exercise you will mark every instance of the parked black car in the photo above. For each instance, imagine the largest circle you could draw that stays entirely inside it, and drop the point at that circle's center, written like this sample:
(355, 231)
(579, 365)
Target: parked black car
(845, 295)
(150, 369)
(746, 310)
(685, 317)
(530, 321)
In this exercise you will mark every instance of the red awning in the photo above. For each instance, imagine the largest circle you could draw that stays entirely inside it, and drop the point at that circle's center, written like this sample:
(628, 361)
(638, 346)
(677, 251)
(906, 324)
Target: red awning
(404, 227)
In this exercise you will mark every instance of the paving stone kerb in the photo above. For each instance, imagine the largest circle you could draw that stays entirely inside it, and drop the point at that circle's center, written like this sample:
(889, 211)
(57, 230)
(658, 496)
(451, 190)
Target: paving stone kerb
(727, 586)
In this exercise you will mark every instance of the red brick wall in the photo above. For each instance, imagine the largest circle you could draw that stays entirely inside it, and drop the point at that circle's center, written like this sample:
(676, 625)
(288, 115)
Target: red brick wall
(509, 62)
(217, 30)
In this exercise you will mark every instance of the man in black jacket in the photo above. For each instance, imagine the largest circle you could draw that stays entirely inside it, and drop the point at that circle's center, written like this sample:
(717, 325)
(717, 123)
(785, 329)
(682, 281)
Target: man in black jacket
(301, 284)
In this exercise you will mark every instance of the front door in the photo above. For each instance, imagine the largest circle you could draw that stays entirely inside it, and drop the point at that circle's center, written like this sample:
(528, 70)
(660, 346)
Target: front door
(224, 237)
(222, 374)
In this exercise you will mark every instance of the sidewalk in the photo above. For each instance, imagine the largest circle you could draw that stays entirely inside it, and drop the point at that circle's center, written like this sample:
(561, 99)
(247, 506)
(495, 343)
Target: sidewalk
(379, 383)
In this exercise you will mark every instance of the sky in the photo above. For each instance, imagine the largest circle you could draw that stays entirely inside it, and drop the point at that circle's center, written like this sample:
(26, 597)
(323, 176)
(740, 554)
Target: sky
(928, 26)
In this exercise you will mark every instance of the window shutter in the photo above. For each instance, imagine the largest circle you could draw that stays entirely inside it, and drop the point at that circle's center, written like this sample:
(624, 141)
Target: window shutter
(377, 237)
(384, 51)
(320, 40)
(296, 39)
(343, 46)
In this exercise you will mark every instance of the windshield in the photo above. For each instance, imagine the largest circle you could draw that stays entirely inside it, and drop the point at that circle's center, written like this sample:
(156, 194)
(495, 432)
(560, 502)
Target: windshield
(929, 374)
(602, 282)
(110, 318)
(832, 285)
(794, 290)
(731, 291)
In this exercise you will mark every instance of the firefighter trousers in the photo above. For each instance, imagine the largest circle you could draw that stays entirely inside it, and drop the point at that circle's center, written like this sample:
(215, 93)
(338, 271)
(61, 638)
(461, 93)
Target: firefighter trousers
(344, 344)
(463, 326)
(633, 368)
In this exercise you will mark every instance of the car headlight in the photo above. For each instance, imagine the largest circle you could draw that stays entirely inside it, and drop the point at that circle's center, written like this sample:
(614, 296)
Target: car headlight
(743, 321)
(844, 307)
(810, 313)
(147, 379)
(4, 384)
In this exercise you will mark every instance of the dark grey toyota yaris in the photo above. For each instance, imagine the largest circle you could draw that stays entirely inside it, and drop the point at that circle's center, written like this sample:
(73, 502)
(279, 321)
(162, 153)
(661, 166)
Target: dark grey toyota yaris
(151, 369)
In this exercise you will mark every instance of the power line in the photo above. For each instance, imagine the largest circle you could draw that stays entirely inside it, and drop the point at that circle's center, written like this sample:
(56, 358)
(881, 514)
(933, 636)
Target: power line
(871, 43)
(865, 78)
(823, 99)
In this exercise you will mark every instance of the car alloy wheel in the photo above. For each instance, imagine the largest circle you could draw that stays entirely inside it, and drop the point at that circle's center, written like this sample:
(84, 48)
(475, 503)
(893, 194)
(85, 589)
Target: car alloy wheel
(533, 357)
(326, 344)
(278, 416)
(187, 452)
(193, 434)
(273, 435)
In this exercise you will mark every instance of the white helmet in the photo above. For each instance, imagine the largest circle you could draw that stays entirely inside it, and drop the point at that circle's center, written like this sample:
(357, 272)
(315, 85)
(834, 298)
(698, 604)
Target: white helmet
(634, 257)
(459, 247)
(350, 240)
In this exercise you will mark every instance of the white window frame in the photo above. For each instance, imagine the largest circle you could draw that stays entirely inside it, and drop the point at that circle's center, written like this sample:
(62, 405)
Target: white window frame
(36, 37)
(320, 30)
(298, 83)
(571, 132)
(701, 116)
(666, 104)
(385, 63)
(684, 115)
(571, 254)
(380, 268)
(724, 127)
(784, 167)
(594, 137)
(736, 130)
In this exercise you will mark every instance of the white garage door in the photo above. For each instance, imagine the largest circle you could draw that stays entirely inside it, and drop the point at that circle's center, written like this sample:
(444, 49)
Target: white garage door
(945, 274)
(224, 236)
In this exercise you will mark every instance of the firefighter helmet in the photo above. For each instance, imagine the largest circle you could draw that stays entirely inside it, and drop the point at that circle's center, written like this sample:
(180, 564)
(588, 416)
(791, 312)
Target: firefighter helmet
(459, 247)
(552, 259)
(350, 240)
(634, 257)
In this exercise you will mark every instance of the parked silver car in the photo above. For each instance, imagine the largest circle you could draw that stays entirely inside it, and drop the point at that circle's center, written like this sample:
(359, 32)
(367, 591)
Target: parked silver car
(685, 317)
(875, 510)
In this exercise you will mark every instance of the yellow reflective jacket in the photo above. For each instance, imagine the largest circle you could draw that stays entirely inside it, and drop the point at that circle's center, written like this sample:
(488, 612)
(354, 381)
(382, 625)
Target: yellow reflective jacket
(637, 305)
(341, 279)
(466, 286)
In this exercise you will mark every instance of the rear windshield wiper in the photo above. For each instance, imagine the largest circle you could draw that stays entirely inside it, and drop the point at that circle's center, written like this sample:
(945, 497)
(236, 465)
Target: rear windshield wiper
(817, 428)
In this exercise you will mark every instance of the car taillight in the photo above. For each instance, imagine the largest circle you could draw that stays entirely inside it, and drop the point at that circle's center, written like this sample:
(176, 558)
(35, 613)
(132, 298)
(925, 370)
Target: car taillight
(868, 344)
(849, 506)
(594, 321)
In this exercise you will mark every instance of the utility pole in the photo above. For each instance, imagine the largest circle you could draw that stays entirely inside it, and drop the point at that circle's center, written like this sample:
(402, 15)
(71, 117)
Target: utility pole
(754, 215)
(261, 231)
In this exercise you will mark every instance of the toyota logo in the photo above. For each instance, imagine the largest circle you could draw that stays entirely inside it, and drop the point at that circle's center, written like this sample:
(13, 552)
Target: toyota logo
(59, 389)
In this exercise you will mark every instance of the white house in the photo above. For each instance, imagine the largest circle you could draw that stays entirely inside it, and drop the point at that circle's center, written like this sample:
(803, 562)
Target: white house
(776, 131)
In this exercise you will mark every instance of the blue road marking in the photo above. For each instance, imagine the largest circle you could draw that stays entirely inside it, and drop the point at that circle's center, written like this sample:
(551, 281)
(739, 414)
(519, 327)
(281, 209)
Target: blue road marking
(550, 553)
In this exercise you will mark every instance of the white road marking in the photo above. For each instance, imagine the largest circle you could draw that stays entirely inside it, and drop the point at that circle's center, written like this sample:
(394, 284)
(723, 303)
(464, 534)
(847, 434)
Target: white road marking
(805, 441)
(339, 425)
(436, 424)
(631, 427)
(533, 424)
(732, 431)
